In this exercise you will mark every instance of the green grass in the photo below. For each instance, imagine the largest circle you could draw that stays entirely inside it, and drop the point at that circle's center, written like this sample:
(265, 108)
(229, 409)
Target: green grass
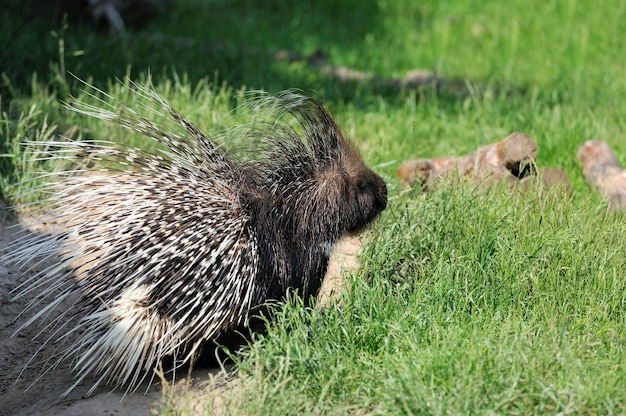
(468, 300)
(488, 303)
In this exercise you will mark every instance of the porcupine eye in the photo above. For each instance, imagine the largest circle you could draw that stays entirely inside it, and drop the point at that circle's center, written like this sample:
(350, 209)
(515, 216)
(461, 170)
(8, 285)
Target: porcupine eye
(370, 199)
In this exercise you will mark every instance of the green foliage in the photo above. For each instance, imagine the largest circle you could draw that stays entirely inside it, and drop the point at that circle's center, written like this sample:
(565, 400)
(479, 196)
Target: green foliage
(20, 152)
(468, 302)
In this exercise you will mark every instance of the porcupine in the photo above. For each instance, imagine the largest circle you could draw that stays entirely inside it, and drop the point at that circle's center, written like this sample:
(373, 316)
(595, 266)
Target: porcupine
(167, 251)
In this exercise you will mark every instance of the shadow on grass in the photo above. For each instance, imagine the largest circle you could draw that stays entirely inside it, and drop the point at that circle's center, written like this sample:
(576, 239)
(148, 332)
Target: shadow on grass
(261, 44)
(258, 44)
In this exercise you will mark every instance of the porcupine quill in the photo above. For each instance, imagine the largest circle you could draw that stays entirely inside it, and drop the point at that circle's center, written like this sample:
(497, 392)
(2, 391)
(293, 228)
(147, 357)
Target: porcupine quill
(163, 252)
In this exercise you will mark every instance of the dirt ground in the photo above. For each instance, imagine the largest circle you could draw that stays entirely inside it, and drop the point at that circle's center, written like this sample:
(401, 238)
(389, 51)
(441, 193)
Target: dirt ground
(24, 391)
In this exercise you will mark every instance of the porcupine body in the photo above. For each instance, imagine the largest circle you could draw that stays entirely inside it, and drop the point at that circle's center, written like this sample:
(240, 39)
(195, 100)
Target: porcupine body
(164, 252)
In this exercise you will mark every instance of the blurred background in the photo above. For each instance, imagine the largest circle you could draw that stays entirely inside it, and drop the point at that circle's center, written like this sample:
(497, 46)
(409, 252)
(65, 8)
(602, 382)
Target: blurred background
(407, 78)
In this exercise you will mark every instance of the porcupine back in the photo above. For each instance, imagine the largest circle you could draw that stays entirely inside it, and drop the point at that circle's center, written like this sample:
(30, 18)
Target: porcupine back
(167, 251)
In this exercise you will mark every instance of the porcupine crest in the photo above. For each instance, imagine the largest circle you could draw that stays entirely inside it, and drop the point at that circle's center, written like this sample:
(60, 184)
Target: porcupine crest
(166, 251)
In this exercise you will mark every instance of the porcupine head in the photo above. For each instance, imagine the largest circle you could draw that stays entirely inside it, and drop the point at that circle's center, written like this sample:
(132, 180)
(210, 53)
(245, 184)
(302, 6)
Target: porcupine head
(169, 250)
(320, 190)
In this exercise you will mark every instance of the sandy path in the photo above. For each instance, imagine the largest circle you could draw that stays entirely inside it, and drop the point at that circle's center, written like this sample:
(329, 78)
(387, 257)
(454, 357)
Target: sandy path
(44, 398)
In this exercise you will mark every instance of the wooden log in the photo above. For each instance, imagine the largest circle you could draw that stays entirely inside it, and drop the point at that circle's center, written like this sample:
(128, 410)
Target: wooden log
(549, 178)
(602, 171)
(510, 159)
